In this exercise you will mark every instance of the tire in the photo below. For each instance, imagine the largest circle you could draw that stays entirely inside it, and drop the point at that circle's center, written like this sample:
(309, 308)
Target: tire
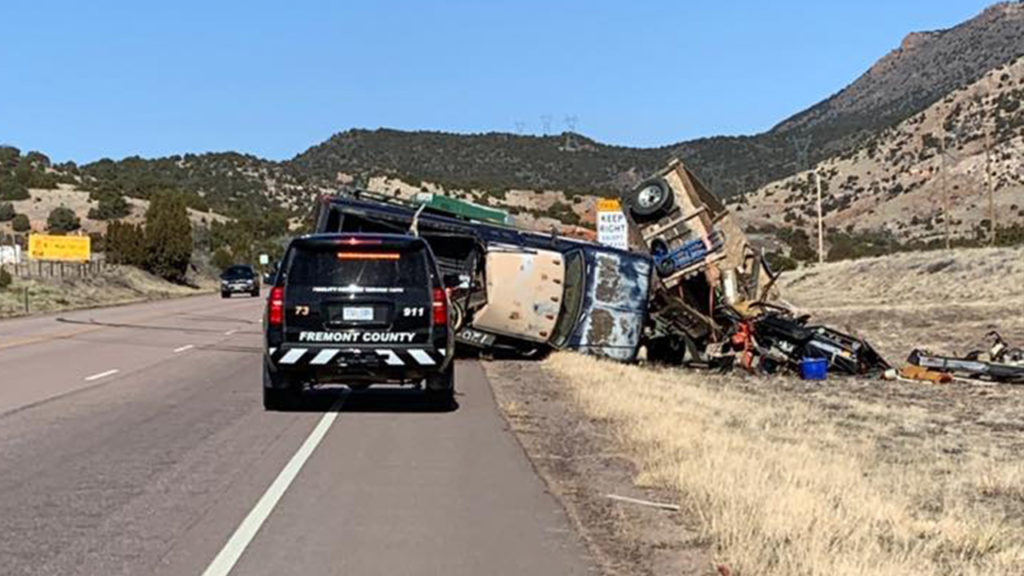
(440, 388)
(255, 293)
(225, 295)
(279, 393)
(665, 267)
(650, 200)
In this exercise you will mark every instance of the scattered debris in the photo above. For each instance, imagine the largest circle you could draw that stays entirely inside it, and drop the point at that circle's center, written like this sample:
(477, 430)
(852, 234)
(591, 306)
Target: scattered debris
(1001, 363)
(639, 502)
(914, 372)
(712, 302)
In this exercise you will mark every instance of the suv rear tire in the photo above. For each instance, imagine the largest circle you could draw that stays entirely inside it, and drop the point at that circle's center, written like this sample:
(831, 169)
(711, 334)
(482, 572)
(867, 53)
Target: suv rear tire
(279, 392)
(440, 388)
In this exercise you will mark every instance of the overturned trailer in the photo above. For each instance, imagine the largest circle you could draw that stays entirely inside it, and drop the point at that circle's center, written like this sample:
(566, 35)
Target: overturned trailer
(712, 293)
(517, 291)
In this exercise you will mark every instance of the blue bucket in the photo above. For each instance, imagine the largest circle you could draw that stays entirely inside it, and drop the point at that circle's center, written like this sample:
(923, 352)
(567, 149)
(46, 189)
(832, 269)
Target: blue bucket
(813, 368)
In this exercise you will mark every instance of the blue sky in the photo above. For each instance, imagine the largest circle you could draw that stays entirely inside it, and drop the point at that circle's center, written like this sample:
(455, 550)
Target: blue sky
(86, 80)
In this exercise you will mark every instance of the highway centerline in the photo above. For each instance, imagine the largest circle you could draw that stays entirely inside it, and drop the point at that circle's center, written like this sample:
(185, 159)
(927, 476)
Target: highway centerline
(101, 375)
(246, 531)
(183, 348)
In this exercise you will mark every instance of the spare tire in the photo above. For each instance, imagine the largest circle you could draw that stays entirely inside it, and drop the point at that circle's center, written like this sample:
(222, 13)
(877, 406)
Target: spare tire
(665, 267)
(650, 199)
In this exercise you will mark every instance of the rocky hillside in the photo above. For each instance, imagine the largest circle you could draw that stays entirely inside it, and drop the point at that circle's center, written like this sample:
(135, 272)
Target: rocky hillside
(898, 181)
(926, 67)
(229, 183)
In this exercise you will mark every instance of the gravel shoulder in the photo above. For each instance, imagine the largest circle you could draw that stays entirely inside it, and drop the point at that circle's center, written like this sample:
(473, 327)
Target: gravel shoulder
(582, 463)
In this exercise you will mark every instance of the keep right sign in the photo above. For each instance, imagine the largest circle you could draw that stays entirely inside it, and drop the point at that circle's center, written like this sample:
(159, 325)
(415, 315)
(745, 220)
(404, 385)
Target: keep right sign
(611, 224)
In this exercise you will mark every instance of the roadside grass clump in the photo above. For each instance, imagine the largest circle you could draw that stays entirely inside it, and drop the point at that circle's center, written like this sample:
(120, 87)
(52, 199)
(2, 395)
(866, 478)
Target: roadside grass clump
(783, 483)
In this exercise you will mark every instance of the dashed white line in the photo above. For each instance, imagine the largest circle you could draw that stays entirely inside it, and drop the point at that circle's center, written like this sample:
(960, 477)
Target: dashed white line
(246, 531)
(183, 348)
(230, 332)
(101, 375)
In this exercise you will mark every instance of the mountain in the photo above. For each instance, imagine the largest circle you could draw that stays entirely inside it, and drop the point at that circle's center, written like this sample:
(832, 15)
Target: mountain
(926, 67)
(913, 77)
(899, 182)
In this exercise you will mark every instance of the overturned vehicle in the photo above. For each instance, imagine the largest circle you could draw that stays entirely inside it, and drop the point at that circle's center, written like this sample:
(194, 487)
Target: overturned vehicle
(515, 291)
(713, 296)
(690, 290)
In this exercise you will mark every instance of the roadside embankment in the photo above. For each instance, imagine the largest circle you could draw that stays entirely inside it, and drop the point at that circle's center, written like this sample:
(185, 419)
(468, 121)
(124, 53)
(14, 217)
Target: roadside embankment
(782, 477)
(115, 285)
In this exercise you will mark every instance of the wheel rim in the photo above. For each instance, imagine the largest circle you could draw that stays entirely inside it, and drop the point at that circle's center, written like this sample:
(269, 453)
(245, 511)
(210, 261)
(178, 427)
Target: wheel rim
(650, 196)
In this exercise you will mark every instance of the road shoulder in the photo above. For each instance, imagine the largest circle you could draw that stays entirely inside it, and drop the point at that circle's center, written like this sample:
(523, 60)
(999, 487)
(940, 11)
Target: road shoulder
(581, 465)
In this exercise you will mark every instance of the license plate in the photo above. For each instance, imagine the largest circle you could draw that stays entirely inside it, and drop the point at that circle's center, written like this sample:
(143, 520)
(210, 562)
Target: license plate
(357, 314)
(474, 337)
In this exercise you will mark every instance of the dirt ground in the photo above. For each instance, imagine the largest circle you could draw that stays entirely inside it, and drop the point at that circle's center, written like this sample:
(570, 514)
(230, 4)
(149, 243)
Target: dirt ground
(781, 476)
(582, 465)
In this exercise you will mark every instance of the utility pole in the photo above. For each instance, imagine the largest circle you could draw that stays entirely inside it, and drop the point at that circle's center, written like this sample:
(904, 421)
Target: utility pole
(945, 193)
(988, 170)
(821, 226)
(988, 184)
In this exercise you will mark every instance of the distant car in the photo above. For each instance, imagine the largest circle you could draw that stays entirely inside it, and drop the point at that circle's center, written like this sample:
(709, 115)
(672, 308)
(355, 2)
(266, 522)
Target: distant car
(239, 279)
(357, 309)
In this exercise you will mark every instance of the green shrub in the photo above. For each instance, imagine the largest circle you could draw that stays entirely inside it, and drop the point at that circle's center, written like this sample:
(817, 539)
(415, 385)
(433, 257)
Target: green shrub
(6, 212)
(11, 189)
(125, 244)
(21, 223)
(111, 207)
(168, 237)
(222, 259)
(62, 220)
(5, 278)
(779, 262)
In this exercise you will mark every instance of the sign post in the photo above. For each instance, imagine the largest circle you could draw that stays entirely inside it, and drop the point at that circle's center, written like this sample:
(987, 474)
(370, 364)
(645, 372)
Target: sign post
(611, 224)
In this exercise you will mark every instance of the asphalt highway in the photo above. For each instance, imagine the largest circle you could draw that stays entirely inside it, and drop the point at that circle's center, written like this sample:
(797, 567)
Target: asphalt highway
(133, 441)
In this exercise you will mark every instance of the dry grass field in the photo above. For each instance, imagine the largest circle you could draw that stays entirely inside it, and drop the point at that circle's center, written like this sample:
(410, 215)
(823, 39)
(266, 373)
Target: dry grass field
(116, 285)
(784, 477)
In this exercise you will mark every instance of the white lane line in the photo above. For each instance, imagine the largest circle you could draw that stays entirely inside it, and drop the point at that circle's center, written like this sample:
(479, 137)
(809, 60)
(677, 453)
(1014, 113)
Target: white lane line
(183, 348)
(246, 531)
(101, 375)
(230, 332)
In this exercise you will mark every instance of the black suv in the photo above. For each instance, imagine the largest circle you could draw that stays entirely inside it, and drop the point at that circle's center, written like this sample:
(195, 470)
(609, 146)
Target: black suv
(357, 309)
(239, 279)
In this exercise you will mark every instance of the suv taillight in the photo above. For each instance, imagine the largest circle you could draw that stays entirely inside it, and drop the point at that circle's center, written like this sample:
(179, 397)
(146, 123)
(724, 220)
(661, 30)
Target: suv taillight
(440, 307)
(275, 311)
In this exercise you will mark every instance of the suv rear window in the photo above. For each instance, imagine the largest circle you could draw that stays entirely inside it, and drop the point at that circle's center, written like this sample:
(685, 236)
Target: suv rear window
(238, 272)
(343, 266)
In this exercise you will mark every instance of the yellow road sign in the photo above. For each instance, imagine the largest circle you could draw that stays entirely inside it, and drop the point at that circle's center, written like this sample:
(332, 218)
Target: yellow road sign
(608, 205)
(43, 247)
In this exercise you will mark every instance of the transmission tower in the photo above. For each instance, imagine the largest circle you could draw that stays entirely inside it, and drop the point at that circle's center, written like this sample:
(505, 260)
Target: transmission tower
(545, 121)
(520, 126)
(570, 133)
